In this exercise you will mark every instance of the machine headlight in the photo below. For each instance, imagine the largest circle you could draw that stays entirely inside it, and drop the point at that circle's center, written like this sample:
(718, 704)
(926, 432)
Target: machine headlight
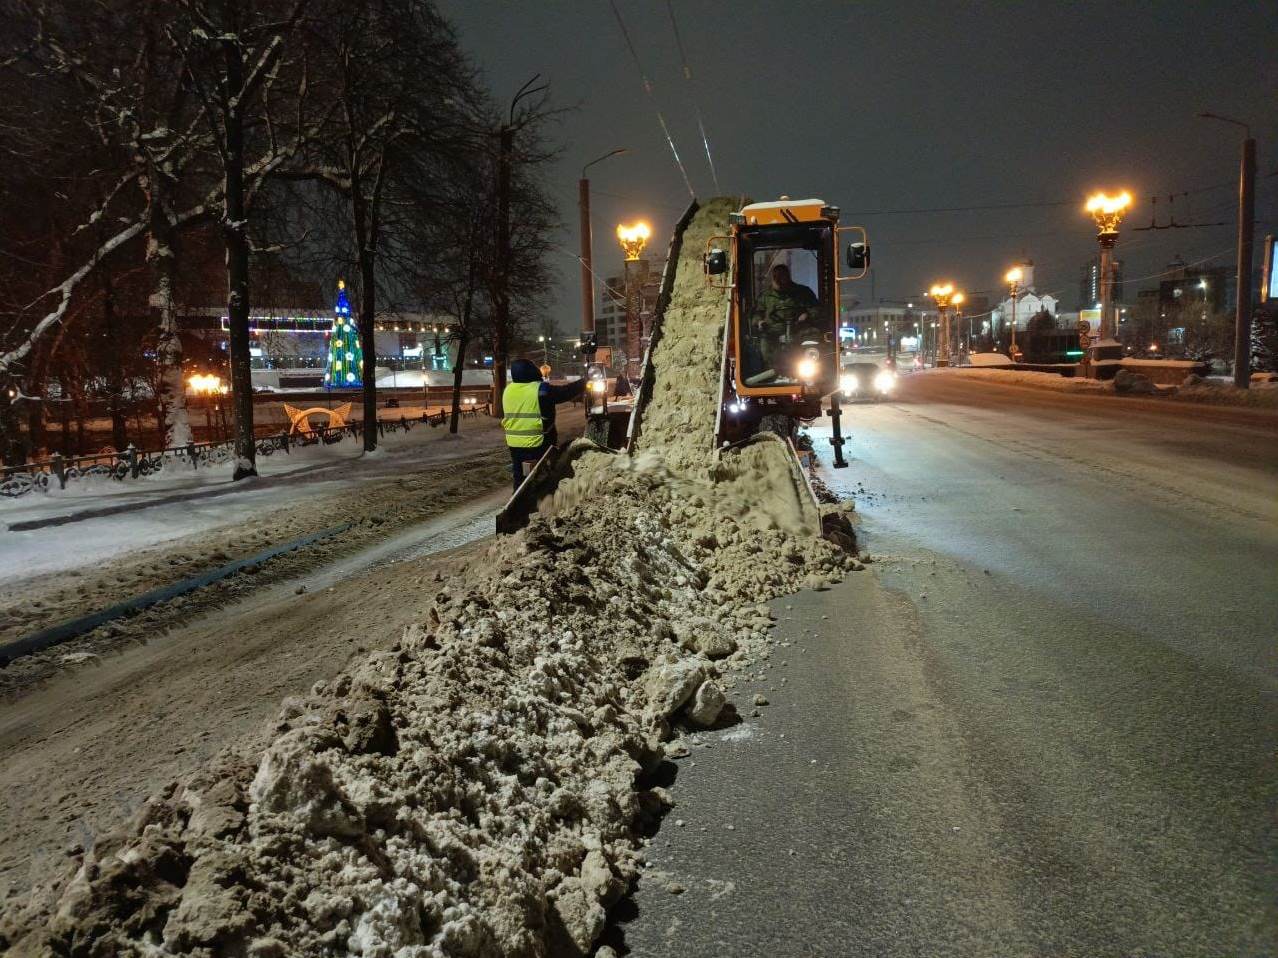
(849, 384)
(884, 381)
(598, 385)
(807, 369)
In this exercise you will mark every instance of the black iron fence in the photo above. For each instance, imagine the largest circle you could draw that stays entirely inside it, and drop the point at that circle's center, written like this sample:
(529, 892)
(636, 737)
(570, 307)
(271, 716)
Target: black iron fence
(132, 463)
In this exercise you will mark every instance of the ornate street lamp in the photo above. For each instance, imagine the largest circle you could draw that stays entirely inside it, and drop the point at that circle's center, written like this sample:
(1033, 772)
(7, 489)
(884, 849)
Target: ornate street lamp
(1108, 212)
(1013, 279)
(944, 295)
(633, 239)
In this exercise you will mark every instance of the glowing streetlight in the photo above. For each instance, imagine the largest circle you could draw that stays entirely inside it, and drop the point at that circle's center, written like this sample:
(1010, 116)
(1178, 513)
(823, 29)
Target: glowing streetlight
(1108, 212)
(945, 296)
(209, 385)
(633, 239)
(1013, 279)
(212, 389)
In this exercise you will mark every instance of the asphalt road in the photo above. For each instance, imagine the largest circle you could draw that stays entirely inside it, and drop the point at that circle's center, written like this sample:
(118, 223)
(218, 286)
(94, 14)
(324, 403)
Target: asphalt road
(1043, 723)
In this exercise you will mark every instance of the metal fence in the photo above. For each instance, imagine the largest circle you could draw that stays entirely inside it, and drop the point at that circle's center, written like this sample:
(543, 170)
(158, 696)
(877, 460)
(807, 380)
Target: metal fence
(132, 463)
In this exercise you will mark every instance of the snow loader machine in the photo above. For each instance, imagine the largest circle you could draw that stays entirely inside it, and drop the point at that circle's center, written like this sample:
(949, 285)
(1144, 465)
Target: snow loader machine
(780, 357)
(781, 263)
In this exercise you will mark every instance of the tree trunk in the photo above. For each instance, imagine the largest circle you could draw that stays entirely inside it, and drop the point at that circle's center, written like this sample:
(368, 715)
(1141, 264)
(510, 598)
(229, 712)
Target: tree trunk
(81, 447)
(459, 367)
(368, 341)
(115, 378)
(171, 396)
(11, 431)
(235, 232)
(36, 387)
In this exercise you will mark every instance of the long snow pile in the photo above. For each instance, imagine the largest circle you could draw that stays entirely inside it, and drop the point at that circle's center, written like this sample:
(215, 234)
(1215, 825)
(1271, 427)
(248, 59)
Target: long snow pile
(478, 789)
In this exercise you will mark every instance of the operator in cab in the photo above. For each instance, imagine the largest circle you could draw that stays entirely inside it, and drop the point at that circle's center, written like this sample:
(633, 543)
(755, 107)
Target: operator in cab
(528, 414)
(785, 315)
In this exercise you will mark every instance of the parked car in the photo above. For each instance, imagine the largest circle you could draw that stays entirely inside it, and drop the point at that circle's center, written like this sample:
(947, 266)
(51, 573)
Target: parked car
(867, 382)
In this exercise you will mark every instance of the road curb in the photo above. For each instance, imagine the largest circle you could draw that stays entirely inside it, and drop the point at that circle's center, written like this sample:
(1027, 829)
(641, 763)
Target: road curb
(64, 631)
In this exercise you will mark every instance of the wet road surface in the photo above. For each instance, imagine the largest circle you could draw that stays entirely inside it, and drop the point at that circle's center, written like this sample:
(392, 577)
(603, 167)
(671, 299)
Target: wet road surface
(1043, 722)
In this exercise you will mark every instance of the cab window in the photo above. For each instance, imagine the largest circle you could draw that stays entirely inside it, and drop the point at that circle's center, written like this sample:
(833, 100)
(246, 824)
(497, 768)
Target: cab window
(784, 301)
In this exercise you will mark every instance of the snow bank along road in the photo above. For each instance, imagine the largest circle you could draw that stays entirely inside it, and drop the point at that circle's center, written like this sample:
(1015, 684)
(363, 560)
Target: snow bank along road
(1050, 730)
(93, 726)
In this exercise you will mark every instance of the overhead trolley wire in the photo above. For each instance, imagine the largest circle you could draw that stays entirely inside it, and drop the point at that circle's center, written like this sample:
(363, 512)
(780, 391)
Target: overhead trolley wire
(696, 106)
(647, 89)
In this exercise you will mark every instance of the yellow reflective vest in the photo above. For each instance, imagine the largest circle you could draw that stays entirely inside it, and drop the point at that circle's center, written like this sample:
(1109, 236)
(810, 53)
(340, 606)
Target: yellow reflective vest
(521, 415)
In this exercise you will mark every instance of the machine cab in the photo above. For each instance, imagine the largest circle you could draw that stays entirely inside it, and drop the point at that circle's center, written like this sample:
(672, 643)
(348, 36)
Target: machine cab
(783, 270)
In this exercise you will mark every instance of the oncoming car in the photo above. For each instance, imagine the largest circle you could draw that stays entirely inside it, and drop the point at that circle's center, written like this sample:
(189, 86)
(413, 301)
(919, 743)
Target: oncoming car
(866, 381)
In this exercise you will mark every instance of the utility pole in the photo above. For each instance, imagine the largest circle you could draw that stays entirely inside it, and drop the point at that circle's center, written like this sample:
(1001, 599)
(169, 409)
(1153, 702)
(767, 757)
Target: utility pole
(1246, 226)
(587, 256)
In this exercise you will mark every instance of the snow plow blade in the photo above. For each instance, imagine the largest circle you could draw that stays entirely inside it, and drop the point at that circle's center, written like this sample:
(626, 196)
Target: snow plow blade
(551, 469)
(805, 503)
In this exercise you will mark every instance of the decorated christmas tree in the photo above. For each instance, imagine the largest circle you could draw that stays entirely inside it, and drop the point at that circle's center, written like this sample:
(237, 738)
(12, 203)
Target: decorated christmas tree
(345, 355)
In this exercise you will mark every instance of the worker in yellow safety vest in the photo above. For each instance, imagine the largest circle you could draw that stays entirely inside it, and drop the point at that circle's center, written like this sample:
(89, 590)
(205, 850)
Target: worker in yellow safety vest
(528, 414)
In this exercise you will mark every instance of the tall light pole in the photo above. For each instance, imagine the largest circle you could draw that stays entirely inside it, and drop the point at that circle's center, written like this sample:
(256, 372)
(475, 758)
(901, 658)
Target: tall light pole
(1246, 225)
(944, 294)
(1013, 279)
(633, 239)
(587, 272)
(1108, 212)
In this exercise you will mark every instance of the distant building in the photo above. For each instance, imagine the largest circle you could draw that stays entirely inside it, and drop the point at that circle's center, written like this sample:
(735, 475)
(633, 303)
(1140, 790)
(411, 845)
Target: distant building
(868, 327)
(1185, 287)
(1089, 292)
(1029, 302)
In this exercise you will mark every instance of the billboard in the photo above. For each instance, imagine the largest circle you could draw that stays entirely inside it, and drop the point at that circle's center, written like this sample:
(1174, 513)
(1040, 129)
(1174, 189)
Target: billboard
(1091, 318)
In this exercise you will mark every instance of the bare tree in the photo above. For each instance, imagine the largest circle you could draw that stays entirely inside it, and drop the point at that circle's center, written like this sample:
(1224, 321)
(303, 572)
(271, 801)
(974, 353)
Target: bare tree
(404, 101)
(233, 50)
(134, 105)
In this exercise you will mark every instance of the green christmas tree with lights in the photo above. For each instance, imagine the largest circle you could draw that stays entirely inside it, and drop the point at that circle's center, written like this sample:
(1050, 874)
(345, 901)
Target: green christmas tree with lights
(345, 355)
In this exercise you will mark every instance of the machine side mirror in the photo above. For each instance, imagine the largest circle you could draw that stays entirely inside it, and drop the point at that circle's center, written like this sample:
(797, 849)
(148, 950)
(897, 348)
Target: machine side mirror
(858, 255)
(716, 262)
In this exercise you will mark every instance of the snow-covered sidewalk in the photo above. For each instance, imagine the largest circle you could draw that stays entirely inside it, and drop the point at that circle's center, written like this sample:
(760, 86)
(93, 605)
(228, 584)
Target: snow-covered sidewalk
(93, 520)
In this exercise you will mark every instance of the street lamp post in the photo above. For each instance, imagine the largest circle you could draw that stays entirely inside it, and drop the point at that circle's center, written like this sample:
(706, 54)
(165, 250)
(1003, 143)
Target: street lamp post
(944, 295)
(1246, 225)
(633, 239)
(1013, 278)
(1108, 212)
(587, 272)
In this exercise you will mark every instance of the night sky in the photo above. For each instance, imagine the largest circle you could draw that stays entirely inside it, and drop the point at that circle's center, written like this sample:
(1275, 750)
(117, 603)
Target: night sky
(881, 108)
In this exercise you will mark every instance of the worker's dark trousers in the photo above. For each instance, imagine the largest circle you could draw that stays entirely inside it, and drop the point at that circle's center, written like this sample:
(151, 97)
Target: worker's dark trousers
(519, 456)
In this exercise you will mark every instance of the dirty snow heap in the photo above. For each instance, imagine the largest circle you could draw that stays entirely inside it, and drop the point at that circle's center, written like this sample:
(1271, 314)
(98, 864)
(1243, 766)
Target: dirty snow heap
(478, 789)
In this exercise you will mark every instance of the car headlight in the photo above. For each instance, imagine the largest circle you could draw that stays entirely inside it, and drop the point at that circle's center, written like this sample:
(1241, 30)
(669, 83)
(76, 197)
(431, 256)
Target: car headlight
(884, 381)
(849, 384)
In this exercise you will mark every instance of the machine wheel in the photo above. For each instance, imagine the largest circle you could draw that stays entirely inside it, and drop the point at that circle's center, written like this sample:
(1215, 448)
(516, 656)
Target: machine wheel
(783, 426)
